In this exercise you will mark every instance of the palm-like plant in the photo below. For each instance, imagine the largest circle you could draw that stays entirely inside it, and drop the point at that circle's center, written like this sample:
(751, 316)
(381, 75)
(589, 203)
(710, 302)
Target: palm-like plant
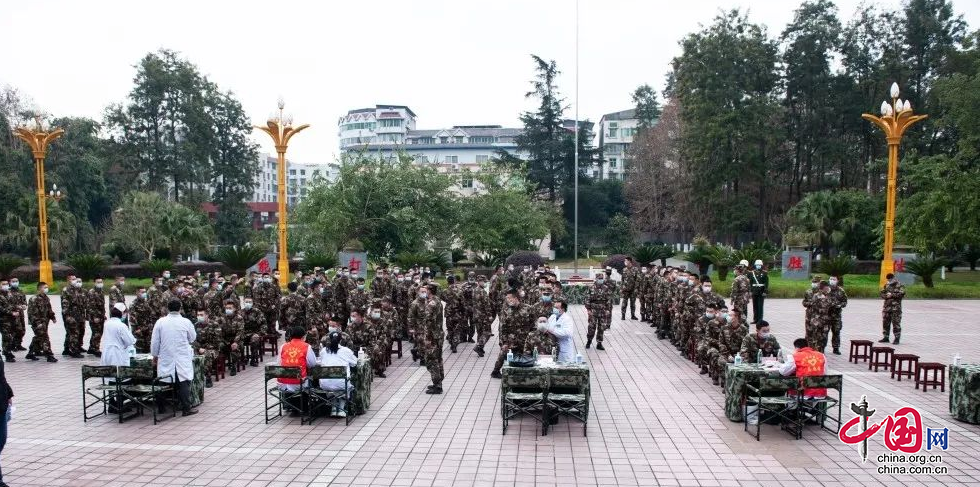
(700, 255)
(925, 266)
(157, 266)
(836, 266)
(489, 260)
(824, 217)
(240, 257)
(88, 266)
(323, 260)
(723, 257)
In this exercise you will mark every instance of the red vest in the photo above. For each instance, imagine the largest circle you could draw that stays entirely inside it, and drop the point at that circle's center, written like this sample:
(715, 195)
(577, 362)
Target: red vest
(293, 354)
(810, 362)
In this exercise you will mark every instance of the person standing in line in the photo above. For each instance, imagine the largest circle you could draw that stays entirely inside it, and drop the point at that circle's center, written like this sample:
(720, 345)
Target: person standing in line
(891, 312)
(171, 348)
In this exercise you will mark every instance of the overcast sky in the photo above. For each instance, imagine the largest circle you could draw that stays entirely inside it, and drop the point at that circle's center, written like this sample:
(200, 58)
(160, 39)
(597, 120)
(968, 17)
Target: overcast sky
(452, 62)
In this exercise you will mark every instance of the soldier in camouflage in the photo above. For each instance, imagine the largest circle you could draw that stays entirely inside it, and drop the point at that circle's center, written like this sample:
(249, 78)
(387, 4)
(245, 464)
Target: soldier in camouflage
(381, 285)
(808, 296)
(761, 341)
(432, 337)
(254, 327)
(213, 303)
(391, 320)
(516, 322)
(497, 291)
(628, 289)
(378, 346)
(9, 313)
(95, 313)
(117, 293)
(142, 317)
(342, 286)
(402, 299)
(358, 298)
(543, 310)
(598, 305)
(741, 289)
(73, 316)
(40, 314)
(891, 311)
(18, 299)
(232, 324)
(483, 314)
(316, 313)
(706, 336)
(455, 311)
(268, 298)
(838, 301)
(732, 332)
(209, 342)
(293, 309)
(818, 328)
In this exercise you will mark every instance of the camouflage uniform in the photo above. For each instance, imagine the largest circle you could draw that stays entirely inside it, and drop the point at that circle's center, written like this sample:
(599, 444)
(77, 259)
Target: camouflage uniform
(209, 338)
(628, 291)
(415, 316)
(468, 331)
(678, 312)
(154, 294)
(19, 299)
(381, 287)
(116, 295)
(838, 300)
(254, 327)
(267, 298)
(706, 339)
(483, 313)
(95, 313)
(432, 318)
(73, 311)
(694, 306)
(818, 327)
(891, 312)
(516, 323)
(375, 344)
(232, 332)
(7, 318)
(360, 336)
(391, 319)
(213, 305)
(357, 300)
(191, 303)
(752, 344)
(142, 317)
(729, 345)
(741, 294)
(402, 300)
(341, 292)
(292, 312)
(546, 341)
(599, 305)
(39, 314)
(498, 288)
(455, 311)
(315, 311)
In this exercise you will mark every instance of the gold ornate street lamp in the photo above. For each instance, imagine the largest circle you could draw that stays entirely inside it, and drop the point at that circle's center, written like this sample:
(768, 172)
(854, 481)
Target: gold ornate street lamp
(280, 128)
(38, 139)
(894, 120)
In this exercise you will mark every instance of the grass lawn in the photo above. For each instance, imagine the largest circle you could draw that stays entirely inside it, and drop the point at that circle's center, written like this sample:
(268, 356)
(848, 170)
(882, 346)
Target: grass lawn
(959, 284)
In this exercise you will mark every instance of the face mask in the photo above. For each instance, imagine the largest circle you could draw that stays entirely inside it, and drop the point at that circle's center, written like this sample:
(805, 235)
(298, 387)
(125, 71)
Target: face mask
(124, 319)
(724, 316)
(77, 284)
(276, 275)
(709, 315)
(360, 287)
(375, 315)
(643, 270)
(546, 298)
(765, 334)
(166, 275)
(143, 295)
(14, 284)
(44, 290)
(512, 303)
(333, 330)
(247, 306)
(486, 286)
(159, 283)
(423, 295)
(706, 289)
(555, 311)
(201, 319)
(98, 285)
(5, 287)
(814, 285)
(599, 280)
(728, 318)
(229, 312)
(120, 284)
(833, 282)
(510, 268)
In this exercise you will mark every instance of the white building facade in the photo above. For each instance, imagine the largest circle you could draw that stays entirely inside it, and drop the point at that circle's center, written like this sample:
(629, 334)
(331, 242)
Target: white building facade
(299, 178)
(616, 132)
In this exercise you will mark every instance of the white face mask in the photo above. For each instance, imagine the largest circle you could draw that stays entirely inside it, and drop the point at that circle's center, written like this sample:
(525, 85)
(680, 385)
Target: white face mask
(229, 312)
(76, 283)
(833, 282)
(14, 284)
(5, 287)
(376, 315)
(98, 285)
(43, 290)
(247, 306)
(706, 289)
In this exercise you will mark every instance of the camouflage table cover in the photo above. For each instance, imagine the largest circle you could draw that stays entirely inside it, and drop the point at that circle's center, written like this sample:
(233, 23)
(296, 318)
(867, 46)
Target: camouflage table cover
(197, 385)
(736, 376)
(361, 376)
(544, 366)
(964, 392)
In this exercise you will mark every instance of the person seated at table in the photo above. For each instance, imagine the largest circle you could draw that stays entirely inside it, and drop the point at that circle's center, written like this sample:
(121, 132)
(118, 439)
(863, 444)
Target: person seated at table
(805, 362)
(116, 338)
(333, 354)
(560, 326)
(759, 341)
(296, 353)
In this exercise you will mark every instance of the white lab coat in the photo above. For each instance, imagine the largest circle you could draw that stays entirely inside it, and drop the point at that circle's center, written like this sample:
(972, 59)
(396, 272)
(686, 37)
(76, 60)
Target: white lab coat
(116, 340)
(563, 328)
(171, 345)
(343, 358)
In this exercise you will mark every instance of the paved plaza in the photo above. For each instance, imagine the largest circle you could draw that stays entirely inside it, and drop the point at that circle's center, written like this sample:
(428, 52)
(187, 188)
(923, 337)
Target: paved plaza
(654, 421)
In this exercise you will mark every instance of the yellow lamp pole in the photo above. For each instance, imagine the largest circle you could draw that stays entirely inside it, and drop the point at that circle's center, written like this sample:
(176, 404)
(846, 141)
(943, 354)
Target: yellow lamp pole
(38, 139)
(281, 129)
(894, 120)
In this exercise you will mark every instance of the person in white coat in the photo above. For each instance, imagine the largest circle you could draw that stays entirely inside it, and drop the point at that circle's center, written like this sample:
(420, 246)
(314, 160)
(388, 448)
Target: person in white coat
(171, 347)
(116, 338)
(333, 354)
(561, 326)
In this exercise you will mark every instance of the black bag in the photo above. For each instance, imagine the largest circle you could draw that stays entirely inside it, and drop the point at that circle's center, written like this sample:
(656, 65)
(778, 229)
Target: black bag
(522, 361)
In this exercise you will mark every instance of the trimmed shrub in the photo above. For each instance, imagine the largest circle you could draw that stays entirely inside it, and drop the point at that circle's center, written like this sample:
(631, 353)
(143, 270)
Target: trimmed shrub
(616, 261)
(524, 258)
(240, 257)
(156, 266)
(312, 260)
(88, 266)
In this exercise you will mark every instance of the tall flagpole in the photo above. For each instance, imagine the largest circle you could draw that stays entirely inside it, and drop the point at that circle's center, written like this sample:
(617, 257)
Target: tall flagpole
(576, 138)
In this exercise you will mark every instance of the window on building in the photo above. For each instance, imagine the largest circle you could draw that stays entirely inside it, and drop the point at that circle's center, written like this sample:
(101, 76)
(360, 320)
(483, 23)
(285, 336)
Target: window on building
(443, 140)
(421, 159)
(481, 140)
(622, 176)
(612, 130)
(302, 172)
(481, 158)
(466, 182)
(292, 172)
(612, 162)
(391, 122)
(452, 159)
(302, 182)
(459, 139)
(390, 138)
(425, 140)
(595, 174)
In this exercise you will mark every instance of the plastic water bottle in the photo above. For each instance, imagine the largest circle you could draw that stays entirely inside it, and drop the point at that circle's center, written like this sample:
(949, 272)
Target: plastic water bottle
(758, 357)
(738, 360)
(510, 355)
(956, 359)
(554, 354)
(535, 354)
(780, 355)
(578, 358)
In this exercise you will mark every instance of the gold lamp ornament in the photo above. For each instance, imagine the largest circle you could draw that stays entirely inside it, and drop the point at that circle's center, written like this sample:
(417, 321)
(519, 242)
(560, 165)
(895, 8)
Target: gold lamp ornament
(280, 127)
(896, 117)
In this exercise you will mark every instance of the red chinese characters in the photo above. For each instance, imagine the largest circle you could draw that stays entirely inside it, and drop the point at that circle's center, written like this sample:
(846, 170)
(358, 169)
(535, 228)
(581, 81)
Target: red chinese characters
(795, 263)
(903, 431)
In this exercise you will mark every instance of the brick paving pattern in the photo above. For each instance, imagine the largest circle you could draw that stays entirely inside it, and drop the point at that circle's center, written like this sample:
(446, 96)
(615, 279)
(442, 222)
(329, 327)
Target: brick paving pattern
(654, 421)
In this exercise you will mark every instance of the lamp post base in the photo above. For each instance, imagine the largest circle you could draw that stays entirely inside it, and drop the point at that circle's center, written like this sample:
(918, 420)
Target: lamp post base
(45, 274)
